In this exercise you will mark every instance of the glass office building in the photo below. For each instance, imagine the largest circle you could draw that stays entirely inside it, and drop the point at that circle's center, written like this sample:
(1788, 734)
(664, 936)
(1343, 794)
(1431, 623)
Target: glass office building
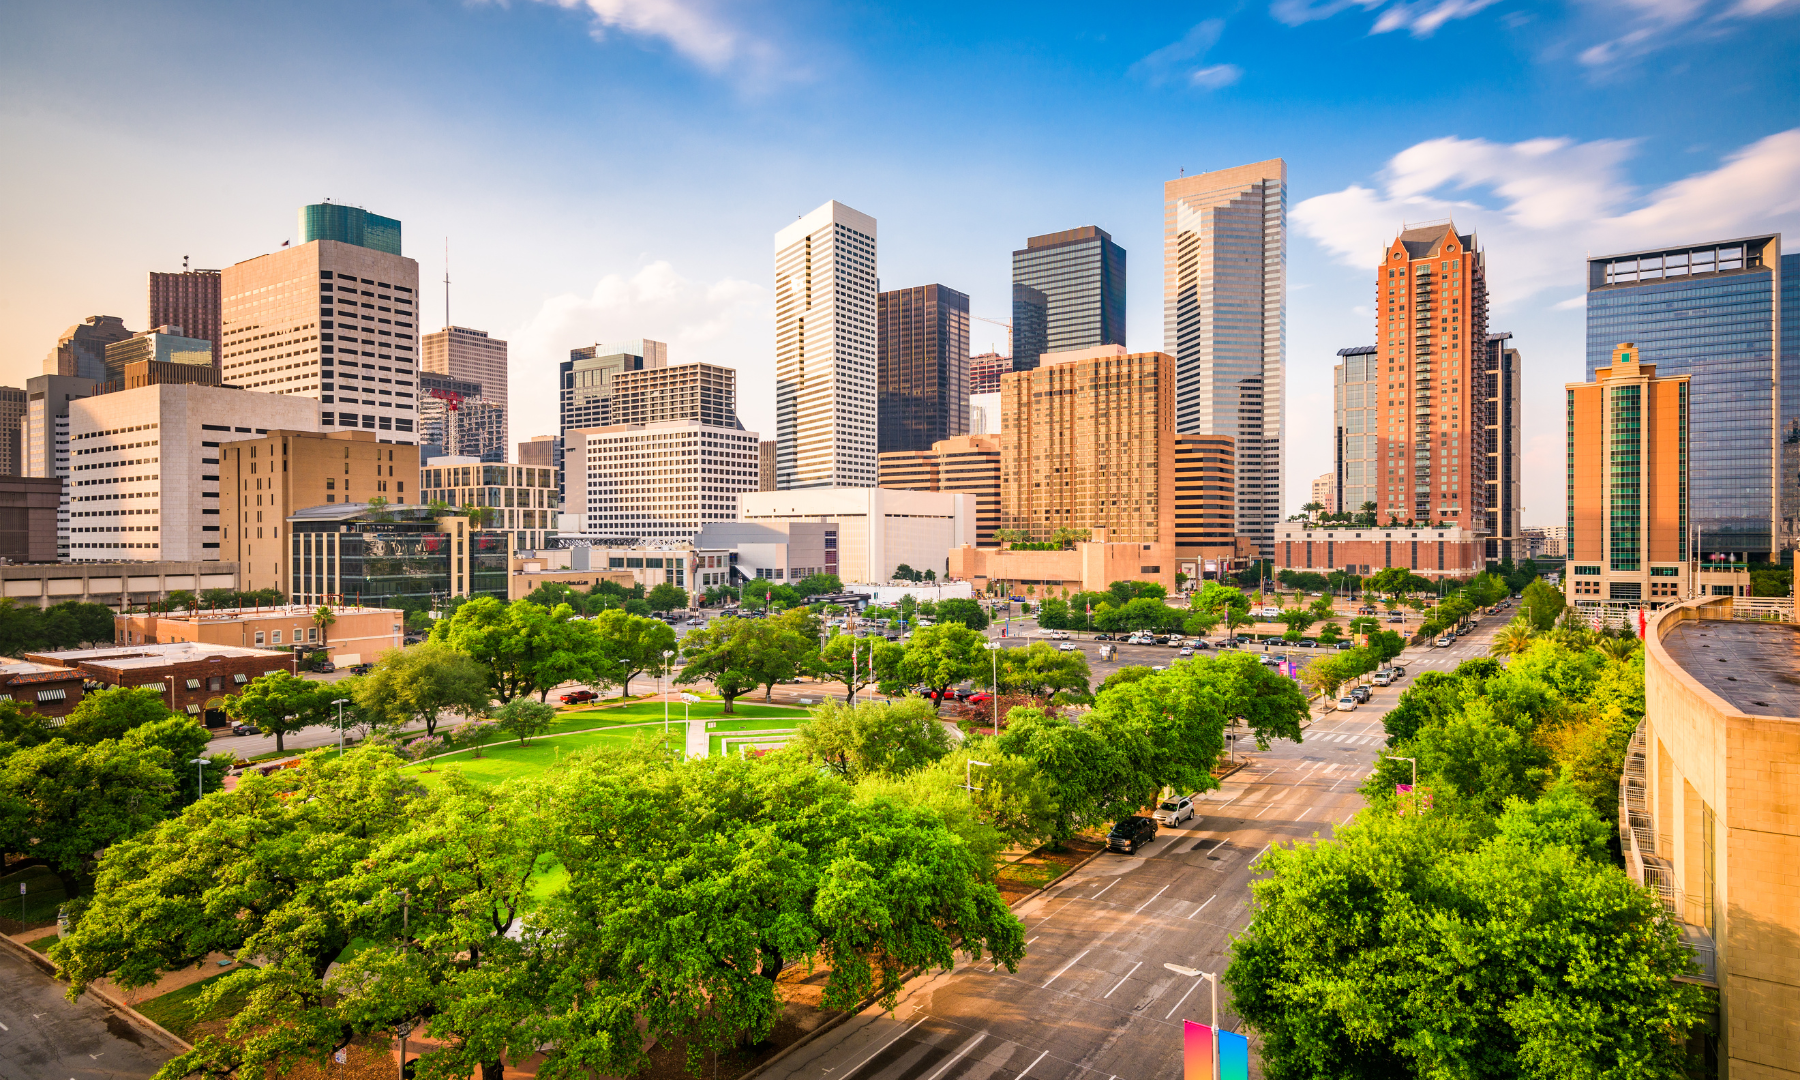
(399, 557)
(1081, 273)
(1790, 402)
(1714, 312)
(1356, 449)
(349, 225)
(921, 367)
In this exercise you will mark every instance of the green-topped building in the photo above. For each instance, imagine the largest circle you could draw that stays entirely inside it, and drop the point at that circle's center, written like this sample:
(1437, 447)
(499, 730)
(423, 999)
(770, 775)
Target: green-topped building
(349, 225)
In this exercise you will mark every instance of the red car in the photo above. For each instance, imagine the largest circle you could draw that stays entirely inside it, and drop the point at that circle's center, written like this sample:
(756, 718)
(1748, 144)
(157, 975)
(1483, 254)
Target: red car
(577, 697)
(980, 697)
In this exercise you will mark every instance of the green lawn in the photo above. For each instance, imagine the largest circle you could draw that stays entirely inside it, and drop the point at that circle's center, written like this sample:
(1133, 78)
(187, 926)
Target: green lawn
(177, 1009)
(504, 761)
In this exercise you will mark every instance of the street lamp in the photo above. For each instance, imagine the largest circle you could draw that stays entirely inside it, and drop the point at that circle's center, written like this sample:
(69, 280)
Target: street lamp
(340, 703)
(199, 777)
(659, 681)
(1212, 977)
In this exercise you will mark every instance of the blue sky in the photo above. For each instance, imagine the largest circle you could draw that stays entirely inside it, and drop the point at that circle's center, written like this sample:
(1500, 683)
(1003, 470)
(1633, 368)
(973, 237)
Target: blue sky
(612, 169)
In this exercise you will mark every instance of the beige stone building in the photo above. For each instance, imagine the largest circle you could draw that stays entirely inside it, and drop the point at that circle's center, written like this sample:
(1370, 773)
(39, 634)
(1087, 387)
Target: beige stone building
(1090, 565)
(1709, 814)
(264, 481)
(966, 463)
(462, 353)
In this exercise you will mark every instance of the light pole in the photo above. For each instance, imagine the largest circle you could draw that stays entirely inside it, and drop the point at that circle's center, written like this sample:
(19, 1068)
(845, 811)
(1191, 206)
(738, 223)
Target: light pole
(340, 703)
(199, 777)
(659, 679)
(969, 777)
(1415, 779)
(1213, 978)
(994, 655)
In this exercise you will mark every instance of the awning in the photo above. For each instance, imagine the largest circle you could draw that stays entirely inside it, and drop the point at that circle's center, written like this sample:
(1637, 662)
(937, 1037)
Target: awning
(58, 694)
(193, 710)
(240, 678)
(193, 684)
(275, 671)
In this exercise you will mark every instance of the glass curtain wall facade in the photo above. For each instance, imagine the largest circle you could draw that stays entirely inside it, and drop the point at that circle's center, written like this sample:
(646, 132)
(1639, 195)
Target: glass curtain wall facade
(349, 225)
(1081, 274)
(921, 367)
(1790, 405)
(1713, 312)
(1030, 327)
(1505, 514)
(1356, 394)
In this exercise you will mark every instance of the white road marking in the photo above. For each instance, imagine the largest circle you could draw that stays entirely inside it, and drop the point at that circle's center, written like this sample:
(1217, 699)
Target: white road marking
(1066, 967)
(885, 1045)
(1184, 997)
(1147, 903)
(1202, 907)
(1121, 982)
(960, 1054)
(1033, 1065)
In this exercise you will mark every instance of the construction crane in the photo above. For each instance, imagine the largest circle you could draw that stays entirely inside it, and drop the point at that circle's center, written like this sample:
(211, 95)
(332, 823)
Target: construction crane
(999, 322)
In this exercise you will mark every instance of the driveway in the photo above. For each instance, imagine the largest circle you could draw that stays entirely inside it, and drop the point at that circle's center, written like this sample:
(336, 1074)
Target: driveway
(45, 1037)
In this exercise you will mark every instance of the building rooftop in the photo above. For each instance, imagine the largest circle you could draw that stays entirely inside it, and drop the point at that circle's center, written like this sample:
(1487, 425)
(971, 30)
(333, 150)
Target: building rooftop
(128, 657)
(276, 611)
(1754, 666)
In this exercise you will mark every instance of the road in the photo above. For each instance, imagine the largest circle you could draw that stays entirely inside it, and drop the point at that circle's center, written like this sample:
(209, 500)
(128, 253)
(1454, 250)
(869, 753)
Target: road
(1093, 999)
(45, 1037)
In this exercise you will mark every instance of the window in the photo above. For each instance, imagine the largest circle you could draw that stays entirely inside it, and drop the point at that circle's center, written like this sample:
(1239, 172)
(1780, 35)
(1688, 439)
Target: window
(277, 638)
(259, 638)
(312, 634)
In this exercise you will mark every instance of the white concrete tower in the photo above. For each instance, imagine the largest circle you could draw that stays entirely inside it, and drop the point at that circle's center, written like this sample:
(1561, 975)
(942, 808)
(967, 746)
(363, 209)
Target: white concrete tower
(825, 306)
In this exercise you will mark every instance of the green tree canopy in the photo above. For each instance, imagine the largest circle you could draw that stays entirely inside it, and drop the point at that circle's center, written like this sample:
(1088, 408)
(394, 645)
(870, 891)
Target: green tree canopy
(739, 655)
(416, 685)
(873, 737)
(62, 801)
(109, 714)
(628, 646)
(960, 610)
(942, 656)
(1541, 605)
(857, 662)
(666, 597)
(279, 704)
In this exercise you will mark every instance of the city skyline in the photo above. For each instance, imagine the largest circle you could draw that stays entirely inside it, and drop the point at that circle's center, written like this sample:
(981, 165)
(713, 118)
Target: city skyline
(542, 263)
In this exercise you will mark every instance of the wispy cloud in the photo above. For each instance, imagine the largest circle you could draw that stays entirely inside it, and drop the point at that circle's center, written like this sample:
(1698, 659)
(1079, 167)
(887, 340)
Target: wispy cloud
(691, 27)
(1649, 25)
(1541, 205)
(1421, 18)
(1180, 63)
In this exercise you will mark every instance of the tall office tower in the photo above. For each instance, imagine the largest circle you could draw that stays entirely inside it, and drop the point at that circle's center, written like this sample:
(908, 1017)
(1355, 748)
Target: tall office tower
(1355, 396)
(439, 396)
(1629, 469)
(349, 225)
(472, 355)
(163, 345)
(1205, 501)
(144, 479)
(586, 378)
(1225, 322)
(767, 453)
(922, 366)
(703, 392)
(1030, 336)
(1790, 403)
(1081, 274)
(476, 429)
(660, 481)
(1087, 442)
(985, 370)
(46, 436)
(189, 300)
(333, 319)
(1432, 425)
(1325, 492)
(825, 404)
(538, 450)
(80, 352)
(1713, 311)
(1505, 463)
(966, 463)
(12, 431)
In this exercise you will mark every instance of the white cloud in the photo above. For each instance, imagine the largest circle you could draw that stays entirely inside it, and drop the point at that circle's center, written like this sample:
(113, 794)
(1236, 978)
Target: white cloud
(689, 26)
(1541, 205)
(1177, 62)
(1649, 25)
(1421, 17)
(727, 322)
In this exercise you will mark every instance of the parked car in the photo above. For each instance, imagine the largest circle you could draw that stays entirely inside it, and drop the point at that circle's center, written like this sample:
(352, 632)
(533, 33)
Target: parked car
(1396, 617)
(1362, 694)
(1172, 812)
(1161, 639)
(1346, 704)
(1186, 650)
(1059, 635)
(1269, 661)
(1068, 646)
(1131, 833)
(362, 669)
(1306, 643)
(325, 667)
(1103, 637)
(1398, 670)
(1200, 643)
(980, 697)
(1269, 613)
(1366, 609)
(1343, 646)
(243, 729)
(578, 697)
(1245, 639)
(1444, 642)
(1384, 677)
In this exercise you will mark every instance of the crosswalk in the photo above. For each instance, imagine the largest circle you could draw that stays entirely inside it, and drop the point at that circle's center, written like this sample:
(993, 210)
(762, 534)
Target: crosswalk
(1344, 737)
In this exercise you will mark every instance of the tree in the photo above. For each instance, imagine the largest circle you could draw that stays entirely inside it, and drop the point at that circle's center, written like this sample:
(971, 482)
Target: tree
(62, 801)
(73, 624)
(1512, 639)
(904, 572)
(738, 655)
(184, 742)
(525, 648)
(819, 585)
(1351, 933)
(1540, 606)
(418, 684)
(941, 656)
(1312, 508)
(872, 737)
(666, 597)
(1038, 670)
(523, 718)
(109, 714)
(966, 612)
(1324, 674)
(322, 618)
(279, 703)
(857, 662)
(1296, 620)
(631, 645)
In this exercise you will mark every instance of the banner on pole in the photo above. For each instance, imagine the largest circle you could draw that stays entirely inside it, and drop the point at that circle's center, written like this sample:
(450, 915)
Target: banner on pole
(1234, 1056)
(1196, 1051)
(1402, 789)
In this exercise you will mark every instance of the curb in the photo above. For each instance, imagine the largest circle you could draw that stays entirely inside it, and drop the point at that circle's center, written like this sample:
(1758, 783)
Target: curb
(848, 1015)
(130, 1015)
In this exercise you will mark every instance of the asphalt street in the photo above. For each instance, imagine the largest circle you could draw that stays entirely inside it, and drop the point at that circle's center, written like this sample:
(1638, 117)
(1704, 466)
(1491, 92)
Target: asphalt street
(45, 1037)
(1094, 998)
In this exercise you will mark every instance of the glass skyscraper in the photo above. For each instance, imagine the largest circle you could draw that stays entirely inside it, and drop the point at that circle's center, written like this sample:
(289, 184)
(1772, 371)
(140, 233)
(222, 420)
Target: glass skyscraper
(349, 225)
(921, 366)
(1081, 274)
(1713, 311)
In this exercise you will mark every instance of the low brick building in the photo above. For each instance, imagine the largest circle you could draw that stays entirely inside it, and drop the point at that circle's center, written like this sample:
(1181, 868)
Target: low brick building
(194, 677)
(1363, 550)
(49, 689)
(356, 635)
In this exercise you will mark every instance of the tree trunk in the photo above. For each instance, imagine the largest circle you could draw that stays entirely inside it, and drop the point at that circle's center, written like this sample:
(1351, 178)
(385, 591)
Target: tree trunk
(729, 698)
(771, 963)
(71, 882)
(493, 1070)
(625, 686)
(279, 749)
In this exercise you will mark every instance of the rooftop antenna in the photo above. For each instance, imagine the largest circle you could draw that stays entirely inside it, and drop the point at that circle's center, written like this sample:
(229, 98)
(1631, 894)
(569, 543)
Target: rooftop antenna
(446, 282)
(184, 262)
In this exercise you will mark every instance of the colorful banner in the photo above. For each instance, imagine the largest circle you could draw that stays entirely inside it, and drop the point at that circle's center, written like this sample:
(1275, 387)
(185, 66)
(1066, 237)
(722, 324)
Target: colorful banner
(1196, 1051)
(1402, 789)
(1234, 1056)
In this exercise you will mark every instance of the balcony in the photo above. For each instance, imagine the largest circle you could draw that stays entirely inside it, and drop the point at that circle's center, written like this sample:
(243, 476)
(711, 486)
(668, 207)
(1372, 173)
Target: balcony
(1646, 867)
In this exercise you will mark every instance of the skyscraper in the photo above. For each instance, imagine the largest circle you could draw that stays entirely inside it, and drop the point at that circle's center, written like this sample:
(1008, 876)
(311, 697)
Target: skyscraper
(1080, 274)
(703, 392)
(349, 225)
(1713, 311)
(587, 379)
(1225, 322)
(825, 307)
(472, 355)
(80, 352)
(1505, 463)
(189, 300)
(1356, 394)
(12, 431)
(966, 463)
(1431, 301)
(163, 345)
(331, 319)
(922, 366)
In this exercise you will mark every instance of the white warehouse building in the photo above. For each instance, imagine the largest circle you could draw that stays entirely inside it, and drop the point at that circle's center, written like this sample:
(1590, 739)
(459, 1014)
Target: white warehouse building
(878, 528)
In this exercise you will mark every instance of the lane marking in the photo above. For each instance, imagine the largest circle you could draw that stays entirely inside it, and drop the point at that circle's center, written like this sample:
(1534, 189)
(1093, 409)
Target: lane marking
(960, 1054)
(1184, 997)
(885, 1045)
(1202, 907)
(1109, 993)
(1147, 903)
(1030, 940)
(1033, 1065)
(1109, 885)
(1065, 967)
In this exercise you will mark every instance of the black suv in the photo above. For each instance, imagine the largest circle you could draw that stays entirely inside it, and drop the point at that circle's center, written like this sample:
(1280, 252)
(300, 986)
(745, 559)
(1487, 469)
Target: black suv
(1130, 834)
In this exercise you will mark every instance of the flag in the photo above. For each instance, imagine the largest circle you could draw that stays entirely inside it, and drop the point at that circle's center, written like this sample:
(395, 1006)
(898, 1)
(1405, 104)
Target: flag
(1196, 1051)
(285, 243)
(1234, 1056)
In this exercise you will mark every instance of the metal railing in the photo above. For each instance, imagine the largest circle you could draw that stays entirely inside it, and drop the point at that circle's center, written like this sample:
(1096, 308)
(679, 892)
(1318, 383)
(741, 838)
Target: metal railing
(1763, 608)
(1705, 954)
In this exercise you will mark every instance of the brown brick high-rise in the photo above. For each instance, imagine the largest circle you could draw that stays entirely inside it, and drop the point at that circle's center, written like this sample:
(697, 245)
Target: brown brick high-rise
(966, 463)
(189, 300)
